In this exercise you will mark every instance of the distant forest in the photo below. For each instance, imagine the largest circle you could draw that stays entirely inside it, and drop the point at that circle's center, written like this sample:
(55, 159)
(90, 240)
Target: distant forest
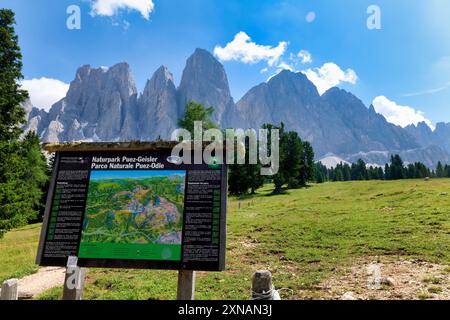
(396, 170)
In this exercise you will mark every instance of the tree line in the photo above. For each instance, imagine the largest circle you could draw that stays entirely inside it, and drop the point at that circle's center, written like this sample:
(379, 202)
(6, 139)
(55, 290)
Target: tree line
(395, 170)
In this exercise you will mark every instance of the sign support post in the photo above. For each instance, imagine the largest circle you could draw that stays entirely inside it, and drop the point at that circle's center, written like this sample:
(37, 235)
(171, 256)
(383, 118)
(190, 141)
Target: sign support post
(74, 283)
(74, 280)
(186, 285)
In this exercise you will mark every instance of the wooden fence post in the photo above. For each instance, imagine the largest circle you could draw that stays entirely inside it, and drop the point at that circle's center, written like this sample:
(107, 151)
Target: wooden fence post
(262, 287)
(10, 290)
(74, 283)
(186, 285)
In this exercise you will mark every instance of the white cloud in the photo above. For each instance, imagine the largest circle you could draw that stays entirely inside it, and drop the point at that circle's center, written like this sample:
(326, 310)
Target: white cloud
(110, 8)
(45, 92)
(281, 67)
(310, 17)
(285, 66)
(244, 50)
(305, 57)
(330, 75)
(399, 115)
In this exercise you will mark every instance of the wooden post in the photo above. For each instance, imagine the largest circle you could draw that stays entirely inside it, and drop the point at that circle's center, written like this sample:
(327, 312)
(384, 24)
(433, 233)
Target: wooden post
(74, 283)
(10, 290)
(262, 287)
(186, 285)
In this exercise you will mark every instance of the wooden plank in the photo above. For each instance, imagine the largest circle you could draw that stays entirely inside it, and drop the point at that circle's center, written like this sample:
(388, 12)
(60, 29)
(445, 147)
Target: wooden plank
(113, 146)
(186, 285)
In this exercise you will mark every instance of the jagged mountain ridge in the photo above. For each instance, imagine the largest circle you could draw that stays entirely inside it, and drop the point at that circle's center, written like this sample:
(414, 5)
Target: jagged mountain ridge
(426, 137)
(104, 105)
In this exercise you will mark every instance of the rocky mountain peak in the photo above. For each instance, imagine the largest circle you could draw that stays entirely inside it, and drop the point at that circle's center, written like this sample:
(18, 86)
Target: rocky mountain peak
(204, 80)
(157, 107)
(162, 77)
(424, 127)
(422, 133)
(342, 96)
(294, 83)
(83, 72)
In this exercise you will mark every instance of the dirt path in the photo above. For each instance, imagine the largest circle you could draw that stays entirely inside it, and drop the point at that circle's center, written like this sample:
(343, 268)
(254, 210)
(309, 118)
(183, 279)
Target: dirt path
(387, 279)
(45, 279)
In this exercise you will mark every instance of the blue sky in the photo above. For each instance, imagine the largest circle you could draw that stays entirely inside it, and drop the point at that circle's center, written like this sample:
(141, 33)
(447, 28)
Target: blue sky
(133, 174)
(405, 66)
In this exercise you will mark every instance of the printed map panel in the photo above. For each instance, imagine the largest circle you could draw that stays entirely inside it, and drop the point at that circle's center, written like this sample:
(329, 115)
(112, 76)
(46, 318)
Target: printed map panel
(134, 215)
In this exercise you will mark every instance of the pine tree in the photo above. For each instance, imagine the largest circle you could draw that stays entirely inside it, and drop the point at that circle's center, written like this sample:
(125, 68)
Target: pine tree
(37, 172)
(293, 166)
(238, 181)
(280, 179)
(410, 171)
(245, 178)
(320, 173)
(346, 171)
(421, 171)
(23, 168)
(338, 175)
(397, 170)
(387, 172)
(12, 115)
(256, 179)
(307, 164)
(196, 112)
(359, 171)
(380, 173)
(440, 172)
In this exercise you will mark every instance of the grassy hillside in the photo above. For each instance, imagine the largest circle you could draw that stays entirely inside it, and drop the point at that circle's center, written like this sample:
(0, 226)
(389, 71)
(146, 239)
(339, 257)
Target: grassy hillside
(18, 251)
(304, 237)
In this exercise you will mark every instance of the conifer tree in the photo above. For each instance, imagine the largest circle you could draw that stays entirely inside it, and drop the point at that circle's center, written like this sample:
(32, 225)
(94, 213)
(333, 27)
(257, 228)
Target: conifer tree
(23, 168)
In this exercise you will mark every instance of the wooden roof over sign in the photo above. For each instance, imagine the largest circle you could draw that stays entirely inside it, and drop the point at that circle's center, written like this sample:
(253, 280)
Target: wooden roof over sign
(111, 146)
(117, 146)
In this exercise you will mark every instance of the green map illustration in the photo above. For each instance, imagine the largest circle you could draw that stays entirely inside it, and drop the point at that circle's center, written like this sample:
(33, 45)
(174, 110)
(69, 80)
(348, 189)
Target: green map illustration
(134, 215)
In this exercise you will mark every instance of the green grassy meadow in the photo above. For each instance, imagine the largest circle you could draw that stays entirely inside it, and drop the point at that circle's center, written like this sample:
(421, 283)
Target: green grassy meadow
(18, 252)
(303, 237)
